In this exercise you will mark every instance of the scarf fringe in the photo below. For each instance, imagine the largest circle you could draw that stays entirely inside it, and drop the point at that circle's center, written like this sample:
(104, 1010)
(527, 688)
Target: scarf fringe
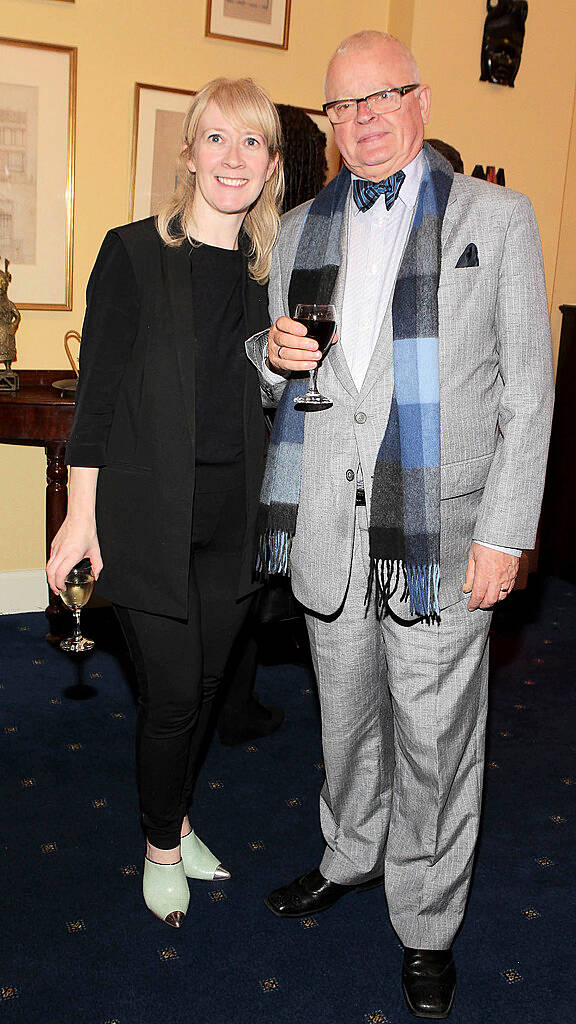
(420, 583)
(273, 554)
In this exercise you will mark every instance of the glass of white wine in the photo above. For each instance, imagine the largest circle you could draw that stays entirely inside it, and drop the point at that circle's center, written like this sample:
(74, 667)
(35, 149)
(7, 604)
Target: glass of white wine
(79, 586)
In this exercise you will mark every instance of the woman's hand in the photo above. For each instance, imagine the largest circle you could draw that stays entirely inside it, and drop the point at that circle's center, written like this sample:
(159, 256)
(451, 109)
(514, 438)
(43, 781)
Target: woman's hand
(76, 539)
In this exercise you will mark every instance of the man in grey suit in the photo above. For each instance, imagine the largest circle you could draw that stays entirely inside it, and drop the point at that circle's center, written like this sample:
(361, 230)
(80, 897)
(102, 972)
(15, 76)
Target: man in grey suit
(401, 511)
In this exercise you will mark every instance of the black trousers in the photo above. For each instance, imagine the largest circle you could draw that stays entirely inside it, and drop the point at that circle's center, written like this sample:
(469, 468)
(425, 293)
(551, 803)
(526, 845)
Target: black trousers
(180, 663)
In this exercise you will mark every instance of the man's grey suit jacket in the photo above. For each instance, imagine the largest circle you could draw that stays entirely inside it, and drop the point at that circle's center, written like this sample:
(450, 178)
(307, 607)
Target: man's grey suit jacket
(496, 394)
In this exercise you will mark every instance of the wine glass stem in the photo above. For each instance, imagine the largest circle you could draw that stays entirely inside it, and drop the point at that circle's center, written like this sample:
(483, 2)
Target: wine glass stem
(312, 386)
(77, 631)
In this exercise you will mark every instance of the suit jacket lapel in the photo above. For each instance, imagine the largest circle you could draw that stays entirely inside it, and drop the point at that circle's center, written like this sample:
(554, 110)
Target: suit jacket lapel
(449, 221)
(382, 362)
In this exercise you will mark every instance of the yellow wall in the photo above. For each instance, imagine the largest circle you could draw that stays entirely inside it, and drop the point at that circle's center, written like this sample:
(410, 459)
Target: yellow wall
(526, 130)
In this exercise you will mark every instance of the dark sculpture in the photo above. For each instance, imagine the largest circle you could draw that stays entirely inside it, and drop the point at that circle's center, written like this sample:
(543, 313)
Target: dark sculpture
(9, 320)
(502, 41)
(304, 148)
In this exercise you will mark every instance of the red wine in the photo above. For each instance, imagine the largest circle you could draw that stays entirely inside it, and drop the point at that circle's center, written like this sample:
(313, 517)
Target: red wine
(321, 330)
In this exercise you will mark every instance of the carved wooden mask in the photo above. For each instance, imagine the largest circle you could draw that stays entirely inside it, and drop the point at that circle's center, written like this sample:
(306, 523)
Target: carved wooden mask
(502, 40)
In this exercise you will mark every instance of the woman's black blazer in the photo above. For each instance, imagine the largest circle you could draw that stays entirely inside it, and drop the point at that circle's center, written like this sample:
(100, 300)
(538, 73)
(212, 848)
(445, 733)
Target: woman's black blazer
(135, 417)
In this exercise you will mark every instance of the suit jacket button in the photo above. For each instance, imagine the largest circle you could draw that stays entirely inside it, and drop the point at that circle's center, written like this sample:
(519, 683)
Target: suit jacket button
(360, 417)
(350, 475)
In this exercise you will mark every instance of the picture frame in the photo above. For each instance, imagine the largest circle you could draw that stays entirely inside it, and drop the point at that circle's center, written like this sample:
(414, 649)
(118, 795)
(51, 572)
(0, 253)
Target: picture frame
(262, 22)
(156, 135)
(37, 150)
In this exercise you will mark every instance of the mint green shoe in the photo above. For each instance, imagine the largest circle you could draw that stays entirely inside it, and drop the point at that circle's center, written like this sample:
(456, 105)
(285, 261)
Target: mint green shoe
(166, 891)
(199, 862)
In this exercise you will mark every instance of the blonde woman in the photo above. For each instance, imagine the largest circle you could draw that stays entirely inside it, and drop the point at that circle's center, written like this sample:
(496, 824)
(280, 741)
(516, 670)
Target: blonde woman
(167, 448)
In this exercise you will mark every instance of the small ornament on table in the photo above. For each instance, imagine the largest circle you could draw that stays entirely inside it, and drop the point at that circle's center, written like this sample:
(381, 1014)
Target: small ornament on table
(9, 323)
(490, 174)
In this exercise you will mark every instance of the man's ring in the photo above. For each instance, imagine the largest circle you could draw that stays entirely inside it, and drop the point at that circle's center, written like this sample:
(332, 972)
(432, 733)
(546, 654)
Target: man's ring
(503, 590)
(280, 347)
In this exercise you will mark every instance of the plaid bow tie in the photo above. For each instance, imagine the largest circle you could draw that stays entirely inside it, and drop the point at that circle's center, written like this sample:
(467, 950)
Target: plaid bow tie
(366, 192)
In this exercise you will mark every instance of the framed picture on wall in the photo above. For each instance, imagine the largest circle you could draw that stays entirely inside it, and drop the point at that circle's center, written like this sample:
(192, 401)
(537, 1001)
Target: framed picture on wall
(156, 142)
(37, 133)
(264, 22)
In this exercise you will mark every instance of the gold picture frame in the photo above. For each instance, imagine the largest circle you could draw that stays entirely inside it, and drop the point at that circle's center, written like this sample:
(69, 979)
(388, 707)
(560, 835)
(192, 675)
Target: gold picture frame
(37, 150)
(156, 135)
(262, 22)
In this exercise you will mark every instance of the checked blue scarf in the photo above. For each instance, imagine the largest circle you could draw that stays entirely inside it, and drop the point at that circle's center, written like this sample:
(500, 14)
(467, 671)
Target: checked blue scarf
(405, 506)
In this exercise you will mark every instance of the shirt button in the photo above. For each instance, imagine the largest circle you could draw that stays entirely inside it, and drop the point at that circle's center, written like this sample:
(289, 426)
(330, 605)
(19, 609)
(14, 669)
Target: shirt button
(350, 475)
(360, 417)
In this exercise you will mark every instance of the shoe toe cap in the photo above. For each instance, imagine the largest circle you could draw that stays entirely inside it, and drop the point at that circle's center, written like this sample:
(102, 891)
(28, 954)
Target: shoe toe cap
(175, 919)
(283, 899)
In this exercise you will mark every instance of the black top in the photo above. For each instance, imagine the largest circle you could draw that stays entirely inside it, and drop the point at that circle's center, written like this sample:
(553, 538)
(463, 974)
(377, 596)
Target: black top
(220, 330)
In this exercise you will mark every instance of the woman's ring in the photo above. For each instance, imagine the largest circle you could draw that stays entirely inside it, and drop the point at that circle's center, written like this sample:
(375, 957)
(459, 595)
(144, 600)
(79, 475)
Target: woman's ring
(280, 347)
(503, 590)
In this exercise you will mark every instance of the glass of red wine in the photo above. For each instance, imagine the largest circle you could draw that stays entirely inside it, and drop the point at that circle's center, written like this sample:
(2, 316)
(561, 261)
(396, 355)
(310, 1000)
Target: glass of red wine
(320, 322)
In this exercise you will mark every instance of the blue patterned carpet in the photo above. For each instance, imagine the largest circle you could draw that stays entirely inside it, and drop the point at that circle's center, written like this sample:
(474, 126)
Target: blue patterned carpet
(80, 947)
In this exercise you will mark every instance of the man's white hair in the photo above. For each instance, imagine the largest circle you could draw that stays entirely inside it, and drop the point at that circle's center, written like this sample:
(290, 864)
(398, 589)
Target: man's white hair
(371, 37)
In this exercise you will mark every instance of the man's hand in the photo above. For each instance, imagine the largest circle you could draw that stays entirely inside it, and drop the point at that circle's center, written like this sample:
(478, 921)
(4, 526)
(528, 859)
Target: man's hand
(490, 576)
(289, 350)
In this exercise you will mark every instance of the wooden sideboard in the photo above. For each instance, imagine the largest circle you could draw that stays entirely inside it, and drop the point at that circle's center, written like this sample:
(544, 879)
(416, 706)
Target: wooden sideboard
(40, 415)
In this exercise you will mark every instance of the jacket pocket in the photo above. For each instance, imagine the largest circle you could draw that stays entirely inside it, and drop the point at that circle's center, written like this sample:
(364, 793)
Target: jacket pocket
(458, 478)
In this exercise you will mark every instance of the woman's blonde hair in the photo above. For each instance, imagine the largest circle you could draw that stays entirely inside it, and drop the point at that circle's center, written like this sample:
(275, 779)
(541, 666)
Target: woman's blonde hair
(246, 105)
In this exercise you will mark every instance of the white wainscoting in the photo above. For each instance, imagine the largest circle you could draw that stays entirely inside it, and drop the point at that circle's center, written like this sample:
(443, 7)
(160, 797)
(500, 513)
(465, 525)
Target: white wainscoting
(23, 591)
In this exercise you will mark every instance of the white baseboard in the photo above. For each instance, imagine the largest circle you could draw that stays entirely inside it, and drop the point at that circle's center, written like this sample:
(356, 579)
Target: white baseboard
(23, 591)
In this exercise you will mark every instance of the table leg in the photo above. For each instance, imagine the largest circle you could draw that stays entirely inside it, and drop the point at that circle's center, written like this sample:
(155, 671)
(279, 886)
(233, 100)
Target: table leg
(56, 502)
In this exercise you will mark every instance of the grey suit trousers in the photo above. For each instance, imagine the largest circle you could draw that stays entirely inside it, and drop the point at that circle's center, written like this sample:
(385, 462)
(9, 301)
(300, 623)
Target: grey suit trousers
(403, 725)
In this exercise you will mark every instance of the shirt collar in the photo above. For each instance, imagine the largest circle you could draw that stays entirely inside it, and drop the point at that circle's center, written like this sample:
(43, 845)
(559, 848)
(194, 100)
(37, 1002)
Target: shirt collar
(408, 193)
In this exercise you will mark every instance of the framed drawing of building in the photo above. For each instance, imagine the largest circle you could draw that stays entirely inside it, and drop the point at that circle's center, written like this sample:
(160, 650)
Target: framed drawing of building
(37, 133)
(156, 142)
(264, 22)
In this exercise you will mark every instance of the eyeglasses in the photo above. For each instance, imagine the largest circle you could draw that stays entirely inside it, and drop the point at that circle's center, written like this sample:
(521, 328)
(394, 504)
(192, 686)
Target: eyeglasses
(383, 102)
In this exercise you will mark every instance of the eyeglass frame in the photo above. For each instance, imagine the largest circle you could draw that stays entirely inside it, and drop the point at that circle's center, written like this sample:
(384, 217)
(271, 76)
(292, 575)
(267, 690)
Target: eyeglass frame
(400, 90)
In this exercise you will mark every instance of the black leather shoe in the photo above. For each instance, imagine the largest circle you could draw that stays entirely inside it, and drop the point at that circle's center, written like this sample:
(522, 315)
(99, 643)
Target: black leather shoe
(312, 893)
(429, 981)
(250, 722)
